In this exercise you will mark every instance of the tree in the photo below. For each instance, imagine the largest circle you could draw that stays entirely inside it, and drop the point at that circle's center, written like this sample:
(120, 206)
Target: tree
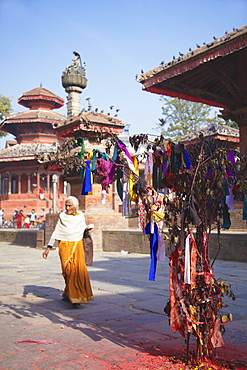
(231, 124)
(182, 117)
(5, 110)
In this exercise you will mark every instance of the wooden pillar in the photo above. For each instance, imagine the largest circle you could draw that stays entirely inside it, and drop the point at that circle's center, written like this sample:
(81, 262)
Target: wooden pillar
(241, 119)
(48, 183)
(241, 114)
(28, 183)
(19, 183)
(243, 138)
(38, 182)
(8, 182)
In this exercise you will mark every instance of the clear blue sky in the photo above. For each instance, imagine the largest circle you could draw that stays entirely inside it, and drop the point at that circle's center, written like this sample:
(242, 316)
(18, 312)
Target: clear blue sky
(116, 39)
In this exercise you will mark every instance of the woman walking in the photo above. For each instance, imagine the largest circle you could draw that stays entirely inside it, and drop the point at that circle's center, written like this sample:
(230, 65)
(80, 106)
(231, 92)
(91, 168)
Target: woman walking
(69, 232)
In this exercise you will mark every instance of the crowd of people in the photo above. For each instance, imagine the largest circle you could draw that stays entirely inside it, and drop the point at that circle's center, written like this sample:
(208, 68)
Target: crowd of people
(20, 220)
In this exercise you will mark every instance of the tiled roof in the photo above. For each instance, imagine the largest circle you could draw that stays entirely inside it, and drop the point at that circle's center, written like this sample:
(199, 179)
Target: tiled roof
(40, 94)
(193, 54)
(215, 130)
(92, 121)
(95, 117)
(210, 74)
(20, 152)
(41, 91)
(38, 115)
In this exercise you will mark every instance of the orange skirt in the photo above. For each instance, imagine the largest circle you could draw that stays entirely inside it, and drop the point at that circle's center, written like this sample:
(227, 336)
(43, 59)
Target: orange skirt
(77, 283)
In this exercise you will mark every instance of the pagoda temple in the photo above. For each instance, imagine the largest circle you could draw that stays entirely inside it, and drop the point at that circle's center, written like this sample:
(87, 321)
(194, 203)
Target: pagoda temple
(24, 184)
(27, 182)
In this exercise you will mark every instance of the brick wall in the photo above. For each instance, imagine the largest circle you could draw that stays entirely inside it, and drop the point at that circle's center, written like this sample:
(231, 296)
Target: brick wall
(236, 216)
(233, 248)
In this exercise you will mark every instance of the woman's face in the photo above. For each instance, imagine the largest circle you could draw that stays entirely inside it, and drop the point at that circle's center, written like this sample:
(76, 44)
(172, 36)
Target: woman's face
(70, 208)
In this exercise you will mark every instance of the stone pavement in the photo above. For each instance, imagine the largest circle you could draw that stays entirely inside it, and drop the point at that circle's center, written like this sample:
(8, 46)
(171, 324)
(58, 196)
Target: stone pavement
(124, 328)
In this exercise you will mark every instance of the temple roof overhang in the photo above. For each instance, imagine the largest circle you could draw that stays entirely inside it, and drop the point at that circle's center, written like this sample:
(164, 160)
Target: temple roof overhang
(90, 124)
(214, 74)
(25, 152)
(216, 131)
(11, 123)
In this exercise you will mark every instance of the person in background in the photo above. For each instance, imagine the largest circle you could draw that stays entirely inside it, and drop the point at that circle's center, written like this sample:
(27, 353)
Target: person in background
(32, 217)
(1, 217)
(20, 219)
(88, 245)
(27, 222)
(69, 232)
(41, 194)
(15, 217)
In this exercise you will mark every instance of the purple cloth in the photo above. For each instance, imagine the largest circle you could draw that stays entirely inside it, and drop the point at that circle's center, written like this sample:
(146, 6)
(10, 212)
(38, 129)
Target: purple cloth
(230, 158)
(121, 145)
(103, 170)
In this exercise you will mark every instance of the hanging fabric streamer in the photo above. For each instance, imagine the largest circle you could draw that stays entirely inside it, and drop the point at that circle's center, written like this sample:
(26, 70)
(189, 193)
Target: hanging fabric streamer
(161, 252)
(87, 185)
(194, 253)
(133, 195)
(152, 229)
(187, 261)
(80, 141)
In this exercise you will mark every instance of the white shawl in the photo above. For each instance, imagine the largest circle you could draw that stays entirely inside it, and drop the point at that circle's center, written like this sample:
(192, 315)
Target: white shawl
(69, 228)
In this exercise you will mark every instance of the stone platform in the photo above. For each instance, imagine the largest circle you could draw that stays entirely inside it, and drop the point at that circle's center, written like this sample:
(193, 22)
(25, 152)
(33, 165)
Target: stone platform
(123, 328)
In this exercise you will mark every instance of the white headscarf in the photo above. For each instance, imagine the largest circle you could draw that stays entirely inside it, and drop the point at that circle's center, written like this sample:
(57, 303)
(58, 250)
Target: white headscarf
(69, 227)
(74, 200)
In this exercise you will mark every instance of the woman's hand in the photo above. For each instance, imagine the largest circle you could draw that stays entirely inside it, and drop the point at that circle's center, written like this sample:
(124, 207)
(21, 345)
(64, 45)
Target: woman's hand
(46, 253)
